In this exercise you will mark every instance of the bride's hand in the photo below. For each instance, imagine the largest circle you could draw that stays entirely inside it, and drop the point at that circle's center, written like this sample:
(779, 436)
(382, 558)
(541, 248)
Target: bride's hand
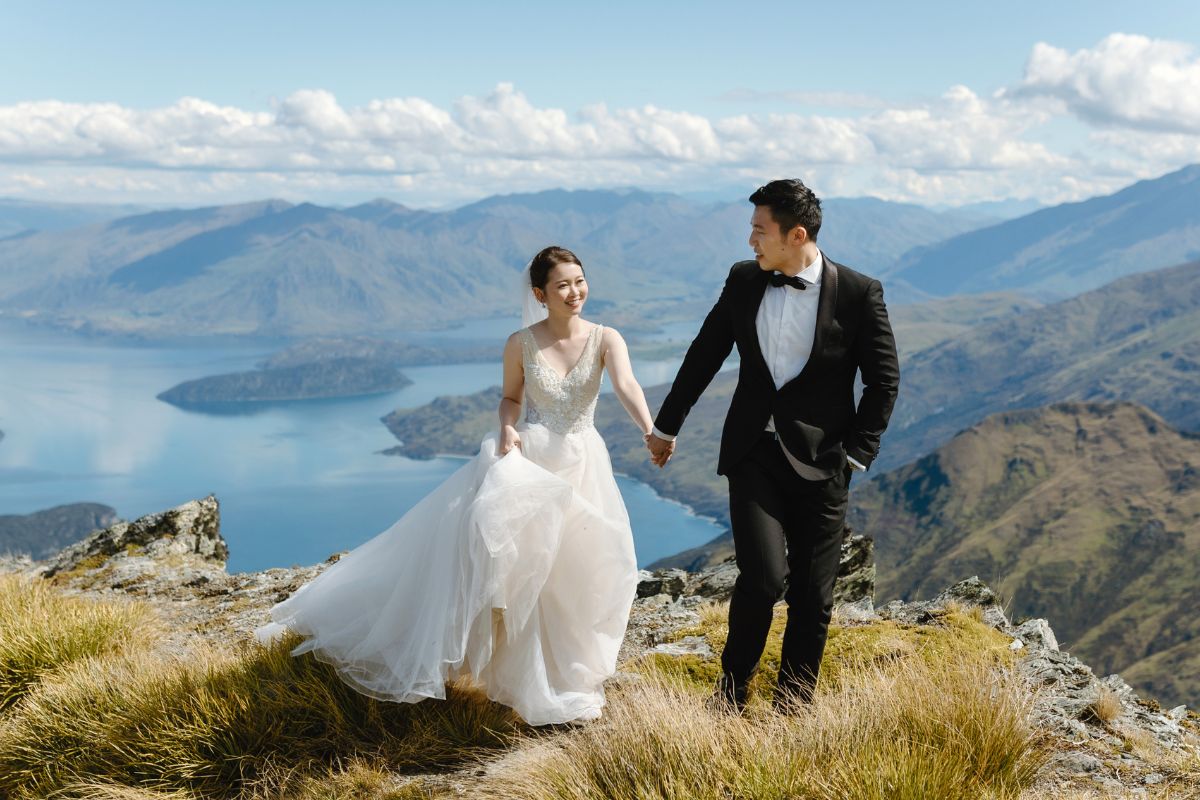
(509, 438)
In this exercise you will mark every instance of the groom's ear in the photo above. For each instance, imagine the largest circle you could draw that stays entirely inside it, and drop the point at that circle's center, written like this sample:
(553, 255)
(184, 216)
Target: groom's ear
(797, 235)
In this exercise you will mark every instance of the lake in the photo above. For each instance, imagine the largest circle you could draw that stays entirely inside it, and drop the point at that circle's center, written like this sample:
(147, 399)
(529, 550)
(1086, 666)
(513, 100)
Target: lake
(296, 482)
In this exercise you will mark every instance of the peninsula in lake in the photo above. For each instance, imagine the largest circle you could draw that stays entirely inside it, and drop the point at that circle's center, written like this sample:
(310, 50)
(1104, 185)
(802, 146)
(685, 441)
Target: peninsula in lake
(335, 377)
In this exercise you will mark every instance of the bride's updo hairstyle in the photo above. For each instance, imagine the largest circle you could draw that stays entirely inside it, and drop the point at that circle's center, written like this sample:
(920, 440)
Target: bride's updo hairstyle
(546, 260)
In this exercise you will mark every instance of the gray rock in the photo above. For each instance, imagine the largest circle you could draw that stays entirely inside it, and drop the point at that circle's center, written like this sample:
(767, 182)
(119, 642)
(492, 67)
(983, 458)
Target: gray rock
(1178, 713)
(715, 583)
(664, 581)
(861, 610)
(656, 601)
(1117, 685)
(687, 646)
(974, 592)
(856, 574)
(969, 593)
(1078, 763)
(192, 528)
(1037, 632)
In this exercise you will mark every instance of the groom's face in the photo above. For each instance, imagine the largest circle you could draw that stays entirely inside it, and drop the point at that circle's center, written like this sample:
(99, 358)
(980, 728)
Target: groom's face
(770, 245)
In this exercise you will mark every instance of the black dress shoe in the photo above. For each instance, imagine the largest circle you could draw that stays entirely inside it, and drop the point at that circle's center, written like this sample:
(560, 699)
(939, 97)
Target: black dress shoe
(730, 695)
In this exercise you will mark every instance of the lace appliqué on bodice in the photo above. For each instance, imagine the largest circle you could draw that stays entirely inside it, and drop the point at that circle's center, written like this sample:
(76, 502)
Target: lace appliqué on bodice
(564, 404)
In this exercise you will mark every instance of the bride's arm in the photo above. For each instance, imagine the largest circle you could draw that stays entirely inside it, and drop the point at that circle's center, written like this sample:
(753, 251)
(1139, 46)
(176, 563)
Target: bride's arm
(625, 385)
(510, 401)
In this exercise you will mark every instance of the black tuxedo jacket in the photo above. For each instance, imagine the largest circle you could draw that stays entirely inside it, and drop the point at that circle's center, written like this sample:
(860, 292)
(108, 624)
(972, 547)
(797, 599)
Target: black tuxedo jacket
(815, 415)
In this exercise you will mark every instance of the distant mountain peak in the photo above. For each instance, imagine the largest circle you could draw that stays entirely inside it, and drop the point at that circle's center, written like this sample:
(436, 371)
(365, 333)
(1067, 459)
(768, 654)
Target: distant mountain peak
(1069, 248)
(590, 201)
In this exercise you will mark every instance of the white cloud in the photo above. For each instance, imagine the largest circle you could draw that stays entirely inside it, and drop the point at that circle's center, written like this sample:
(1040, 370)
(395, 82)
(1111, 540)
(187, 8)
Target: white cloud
(1125, 80)
(960, 132)
(958, 147)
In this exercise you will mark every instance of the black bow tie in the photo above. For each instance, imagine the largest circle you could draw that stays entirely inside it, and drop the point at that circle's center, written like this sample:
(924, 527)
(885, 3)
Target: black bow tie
(779, 279)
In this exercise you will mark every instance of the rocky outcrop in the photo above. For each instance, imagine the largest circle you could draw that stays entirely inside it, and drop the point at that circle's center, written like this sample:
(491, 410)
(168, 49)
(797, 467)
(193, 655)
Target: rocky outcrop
(1104, 735)
(855, 581)
(193, 528)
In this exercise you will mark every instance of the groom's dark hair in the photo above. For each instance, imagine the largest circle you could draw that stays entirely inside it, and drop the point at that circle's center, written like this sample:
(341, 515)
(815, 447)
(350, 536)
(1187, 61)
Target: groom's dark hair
(791, 203)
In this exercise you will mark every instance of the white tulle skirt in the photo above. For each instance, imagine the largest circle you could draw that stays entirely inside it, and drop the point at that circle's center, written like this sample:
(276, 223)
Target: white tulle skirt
(518, 570)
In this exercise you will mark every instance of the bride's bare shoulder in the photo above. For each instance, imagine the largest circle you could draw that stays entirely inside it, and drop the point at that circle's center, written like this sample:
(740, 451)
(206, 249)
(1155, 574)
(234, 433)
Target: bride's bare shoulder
(512, 345)
(610, 334)
(611, 338)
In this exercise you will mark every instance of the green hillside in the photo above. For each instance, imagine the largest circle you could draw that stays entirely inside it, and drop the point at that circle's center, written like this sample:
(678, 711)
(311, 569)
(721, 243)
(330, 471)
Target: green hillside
(1136, 339)
(1086, 513)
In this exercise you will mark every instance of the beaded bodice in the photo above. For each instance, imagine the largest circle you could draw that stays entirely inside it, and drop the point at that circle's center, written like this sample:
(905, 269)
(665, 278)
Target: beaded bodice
(563, 403)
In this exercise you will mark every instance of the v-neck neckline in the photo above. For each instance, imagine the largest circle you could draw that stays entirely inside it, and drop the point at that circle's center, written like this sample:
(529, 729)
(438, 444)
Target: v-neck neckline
(578, 361)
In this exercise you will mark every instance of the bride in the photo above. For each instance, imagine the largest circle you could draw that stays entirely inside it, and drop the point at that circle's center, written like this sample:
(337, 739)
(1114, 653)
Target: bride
(519, 569)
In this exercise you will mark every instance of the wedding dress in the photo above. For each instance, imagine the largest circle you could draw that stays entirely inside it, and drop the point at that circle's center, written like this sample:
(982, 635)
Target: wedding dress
(518, 570)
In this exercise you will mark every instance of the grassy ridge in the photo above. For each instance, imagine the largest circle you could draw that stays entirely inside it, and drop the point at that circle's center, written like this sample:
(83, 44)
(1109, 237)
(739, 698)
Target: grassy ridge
(902, 712)
(130, 722)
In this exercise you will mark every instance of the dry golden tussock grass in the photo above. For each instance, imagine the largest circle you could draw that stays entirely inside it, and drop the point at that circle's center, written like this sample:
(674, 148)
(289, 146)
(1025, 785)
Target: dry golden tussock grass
(902, 713)
(849, 650)
(909, 730)
(1106, 707)
(43, 630)
(222, 724)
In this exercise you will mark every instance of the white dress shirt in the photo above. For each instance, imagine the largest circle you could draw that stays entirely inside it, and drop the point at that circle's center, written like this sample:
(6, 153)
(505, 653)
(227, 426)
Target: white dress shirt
(787, 324)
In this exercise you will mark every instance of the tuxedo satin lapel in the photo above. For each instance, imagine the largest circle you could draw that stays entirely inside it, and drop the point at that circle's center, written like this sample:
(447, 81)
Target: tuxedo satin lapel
(758, 287)
(826, 305)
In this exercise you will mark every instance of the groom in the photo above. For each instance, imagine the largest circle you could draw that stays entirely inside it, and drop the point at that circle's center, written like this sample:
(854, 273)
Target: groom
(804, 325)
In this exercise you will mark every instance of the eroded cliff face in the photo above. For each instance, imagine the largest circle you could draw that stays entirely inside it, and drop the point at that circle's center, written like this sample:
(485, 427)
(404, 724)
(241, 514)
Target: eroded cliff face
(175, 561)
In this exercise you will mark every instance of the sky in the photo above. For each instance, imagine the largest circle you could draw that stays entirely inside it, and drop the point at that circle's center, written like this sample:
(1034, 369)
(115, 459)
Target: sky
(436, 105)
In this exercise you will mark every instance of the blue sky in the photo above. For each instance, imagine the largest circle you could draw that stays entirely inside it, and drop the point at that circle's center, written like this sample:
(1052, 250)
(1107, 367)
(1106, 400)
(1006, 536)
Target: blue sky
(935, 102)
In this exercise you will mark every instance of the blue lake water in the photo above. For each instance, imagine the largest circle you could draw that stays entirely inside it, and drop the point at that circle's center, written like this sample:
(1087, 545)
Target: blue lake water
(296, 482)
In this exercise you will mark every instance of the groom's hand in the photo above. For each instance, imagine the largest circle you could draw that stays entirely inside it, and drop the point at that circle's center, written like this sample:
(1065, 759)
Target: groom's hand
(660, 450)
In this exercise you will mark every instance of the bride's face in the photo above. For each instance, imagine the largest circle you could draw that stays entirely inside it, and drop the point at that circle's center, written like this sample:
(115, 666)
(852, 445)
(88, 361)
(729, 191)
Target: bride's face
(565, 290)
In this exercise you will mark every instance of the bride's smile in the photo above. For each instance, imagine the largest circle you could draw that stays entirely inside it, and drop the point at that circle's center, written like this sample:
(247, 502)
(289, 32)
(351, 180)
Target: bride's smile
(566, 290)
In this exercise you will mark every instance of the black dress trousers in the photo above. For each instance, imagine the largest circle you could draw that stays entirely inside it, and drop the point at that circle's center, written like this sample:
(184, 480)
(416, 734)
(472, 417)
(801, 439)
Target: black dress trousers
(787, 535)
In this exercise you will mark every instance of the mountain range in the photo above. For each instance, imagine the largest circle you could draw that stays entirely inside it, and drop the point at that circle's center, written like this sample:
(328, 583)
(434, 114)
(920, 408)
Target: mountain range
(1067, 249)
(45, 532)
(1135, 339)
(1088, 512)
(272, 268)
(276, 269)
(19, 217)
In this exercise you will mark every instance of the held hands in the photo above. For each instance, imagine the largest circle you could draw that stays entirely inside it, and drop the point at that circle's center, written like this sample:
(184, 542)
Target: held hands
(509, 438)
(660, 449)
